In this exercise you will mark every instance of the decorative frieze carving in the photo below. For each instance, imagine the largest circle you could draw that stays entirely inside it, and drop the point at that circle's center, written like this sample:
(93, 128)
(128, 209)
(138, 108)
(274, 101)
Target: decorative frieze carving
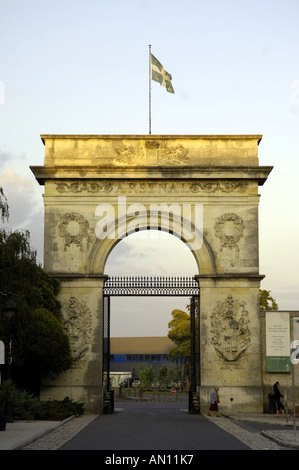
(229, 229)
(229, 330)
(164, 154)
(73, 228)
(175, 155)
(77, 322)
(221, 186)
(130, 155)
(84, 186)
(152, 145)
(167, 187)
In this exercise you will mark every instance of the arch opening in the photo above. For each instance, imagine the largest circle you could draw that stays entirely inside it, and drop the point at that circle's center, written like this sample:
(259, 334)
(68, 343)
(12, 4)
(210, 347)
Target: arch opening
(138, 341)
(148, 253)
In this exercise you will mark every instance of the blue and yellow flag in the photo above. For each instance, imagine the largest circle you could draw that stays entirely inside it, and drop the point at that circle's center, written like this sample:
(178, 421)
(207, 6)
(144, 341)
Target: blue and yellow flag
(160, 75)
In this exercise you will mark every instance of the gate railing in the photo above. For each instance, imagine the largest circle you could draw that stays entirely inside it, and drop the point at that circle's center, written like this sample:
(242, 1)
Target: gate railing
(147, 286)
(155, 286)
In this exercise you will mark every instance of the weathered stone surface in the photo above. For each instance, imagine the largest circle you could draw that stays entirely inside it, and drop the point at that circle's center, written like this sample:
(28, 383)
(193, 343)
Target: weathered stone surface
(219, 173)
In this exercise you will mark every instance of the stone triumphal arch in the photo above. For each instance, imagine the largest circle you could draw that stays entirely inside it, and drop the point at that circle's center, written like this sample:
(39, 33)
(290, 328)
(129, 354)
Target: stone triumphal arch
(204, 190)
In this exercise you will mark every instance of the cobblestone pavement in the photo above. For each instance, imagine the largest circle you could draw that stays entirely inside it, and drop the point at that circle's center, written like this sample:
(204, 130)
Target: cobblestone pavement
(287, 437)
(58, 437)
(256, 440)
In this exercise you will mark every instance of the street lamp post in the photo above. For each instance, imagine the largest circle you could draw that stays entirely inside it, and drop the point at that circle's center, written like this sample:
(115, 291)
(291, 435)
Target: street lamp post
(8, 310)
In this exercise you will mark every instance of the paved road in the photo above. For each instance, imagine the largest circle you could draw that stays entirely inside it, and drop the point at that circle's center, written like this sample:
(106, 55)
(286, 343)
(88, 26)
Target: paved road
(148, 426)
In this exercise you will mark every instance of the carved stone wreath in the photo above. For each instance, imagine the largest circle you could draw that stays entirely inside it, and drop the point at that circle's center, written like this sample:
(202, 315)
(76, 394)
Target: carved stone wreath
(73, 228)
(77, 320)
(229, 329)
(229, 239)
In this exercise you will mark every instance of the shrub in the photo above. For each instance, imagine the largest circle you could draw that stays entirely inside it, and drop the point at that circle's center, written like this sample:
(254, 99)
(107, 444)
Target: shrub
(55, 409)
(26, 406)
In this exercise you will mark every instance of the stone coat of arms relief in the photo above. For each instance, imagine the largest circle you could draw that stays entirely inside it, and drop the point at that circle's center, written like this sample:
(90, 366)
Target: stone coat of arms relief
(77, 322)
(230, 332)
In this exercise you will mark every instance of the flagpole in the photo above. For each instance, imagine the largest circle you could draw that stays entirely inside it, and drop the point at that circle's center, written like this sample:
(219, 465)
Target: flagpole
(150, 91)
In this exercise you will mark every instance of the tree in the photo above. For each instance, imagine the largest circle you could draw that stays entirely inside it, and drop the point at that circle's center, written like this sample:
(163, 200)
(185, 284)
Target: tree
(180, 334)
(40, 344)
(4, 210)
(162, 376)
(266, 301)
(147, 376)
(47, 348)
(174, 376)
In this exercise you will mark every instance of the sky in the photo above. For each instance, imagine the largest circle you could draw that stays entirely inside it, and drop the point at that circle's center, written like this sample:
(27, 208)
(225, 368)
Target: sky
(81, 67)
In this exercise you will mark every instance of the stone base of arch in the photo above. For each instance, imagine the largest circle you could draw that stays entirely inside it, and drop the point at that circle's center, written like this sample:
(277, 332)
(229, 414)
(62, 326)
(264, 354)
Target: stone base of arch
(230, 342)
(234, 400)
(81, 301)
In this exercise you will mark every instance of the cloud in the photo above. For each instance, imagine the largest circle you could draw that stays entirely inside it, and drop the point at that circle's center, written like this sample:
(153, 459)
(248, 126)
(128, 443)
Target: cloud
(143, 316)
(151, 253)
(25, 206)
(8, 157)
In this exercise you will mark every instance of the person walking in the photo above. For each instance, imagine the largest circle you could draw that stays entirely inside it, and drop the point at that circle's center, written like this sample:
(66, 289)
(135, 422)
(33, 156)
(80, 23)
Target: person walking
(278, 396)
(214, 400)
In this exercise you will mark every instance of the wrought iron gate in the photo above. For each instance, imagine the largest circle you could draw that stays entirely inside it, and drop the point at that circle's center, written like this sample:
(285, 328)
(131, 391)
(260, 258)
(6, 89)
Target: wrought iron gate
(151, 286)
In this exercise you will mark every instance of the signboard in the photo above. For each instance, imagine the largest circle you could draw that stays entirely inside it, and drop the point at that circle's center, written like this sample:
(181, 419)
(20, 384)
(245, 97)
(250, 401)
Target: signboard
(2, 353)
(295, 328)
(278, 342)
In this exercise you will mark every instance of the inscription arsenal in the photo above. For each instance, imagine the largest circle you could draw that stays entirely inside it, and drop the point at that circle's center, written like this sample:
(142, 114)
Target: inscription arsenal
(124, 187)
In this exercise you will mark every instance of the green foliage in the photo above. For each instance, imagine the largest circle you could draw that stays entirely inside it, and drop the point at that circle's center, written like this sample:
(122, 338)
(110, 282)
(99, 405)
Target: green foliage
(47, 345)
(6, 388)
(266, 301)
(26, 406)
(59, 409)
(22, 275)
(174, 375)
(147, 376)
(40, 344)
(179, 333)
(162, 376)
